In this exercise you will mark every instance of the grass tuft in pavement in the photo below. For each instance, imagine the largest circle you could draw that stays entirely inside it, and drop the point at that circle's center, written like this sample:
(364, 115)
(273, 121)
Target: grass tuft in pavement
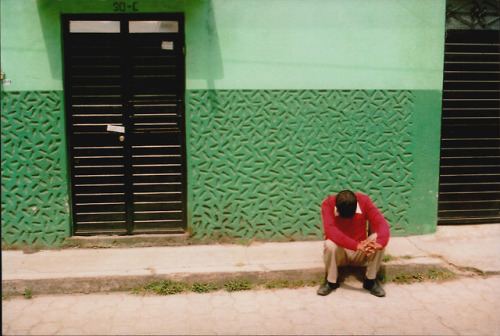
(441, 274)
(27, 293)
(166, 287)
(275, 284)
(387, 258)
(238, 285)
(409, 278)
(203, 287)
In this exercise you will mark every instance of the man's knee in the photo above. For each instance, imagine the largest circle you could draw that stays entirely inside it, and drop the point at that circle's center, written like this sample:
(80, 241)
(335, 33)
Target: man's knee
(330, 246)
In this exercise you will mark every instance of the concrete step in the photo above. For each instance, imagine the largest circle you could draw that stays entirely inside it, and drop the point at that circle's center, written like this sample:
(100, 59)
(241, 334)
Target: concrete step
(258, 274)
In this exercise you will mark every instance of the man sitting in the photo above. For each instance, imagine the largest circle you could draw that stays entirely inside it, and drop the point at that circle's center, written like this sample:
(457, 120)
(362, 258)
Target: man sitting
(345, 218)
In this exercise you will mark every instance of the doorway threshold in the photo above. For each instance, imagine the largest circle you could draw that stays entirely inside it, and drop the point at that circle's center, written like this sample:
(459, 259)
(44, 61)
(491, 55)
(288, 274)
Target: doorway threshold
(115, 241)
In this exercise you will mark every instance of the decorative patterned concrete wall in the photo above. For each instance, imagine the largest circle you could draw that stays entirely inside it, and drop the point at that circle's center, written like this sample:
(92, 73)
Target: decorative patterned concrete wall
(35, 207)
(261, 162)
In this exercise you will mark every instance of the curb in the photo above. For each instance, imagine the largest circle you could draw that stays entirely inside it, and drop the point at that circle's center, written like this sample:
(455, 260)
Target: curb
(123, 283)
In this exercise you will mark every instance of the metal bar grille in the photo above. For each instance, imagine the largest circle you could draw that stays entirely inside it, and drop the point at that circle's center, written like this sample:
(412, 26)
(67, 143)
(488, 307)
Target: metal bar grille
(94, 94)
(129, 178)
(156, 104)
(469, 188)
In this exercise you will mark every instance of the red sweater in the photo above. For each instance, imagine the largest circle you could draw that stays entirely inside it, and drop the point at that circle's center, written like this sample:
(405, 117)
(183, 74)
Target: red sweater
(348, 232)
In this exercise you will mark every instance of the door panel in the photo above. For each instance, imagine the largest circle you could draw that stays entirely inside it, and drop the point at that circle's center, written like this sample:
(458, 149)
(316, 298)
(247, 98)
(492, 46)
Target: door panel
(469, 187)
(125, 121)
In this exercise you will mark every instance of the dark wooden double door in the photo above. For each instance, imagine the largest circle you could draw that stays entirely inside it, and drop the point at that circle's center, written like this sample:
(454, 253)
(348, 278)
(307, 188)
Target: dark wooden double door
(124, 99)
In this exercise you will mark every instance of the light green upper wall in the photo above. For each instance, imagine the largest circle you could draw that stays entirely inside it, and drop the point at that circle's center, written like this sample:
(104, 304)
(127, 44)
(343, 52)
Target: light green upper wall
(318, 44)
(256, 44)
(25, 60)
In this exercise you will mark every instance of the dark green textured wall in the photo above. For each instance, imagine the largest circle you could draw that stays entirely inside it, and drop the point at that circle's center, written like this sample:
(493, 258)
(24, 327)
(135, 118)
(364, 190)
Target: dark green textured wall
(35, 197)
(261, 161)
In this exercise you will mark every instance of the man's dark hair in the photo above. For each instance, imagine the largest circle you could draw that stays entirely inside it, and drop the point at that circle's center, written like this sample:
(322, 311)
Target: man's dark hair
(346, 203)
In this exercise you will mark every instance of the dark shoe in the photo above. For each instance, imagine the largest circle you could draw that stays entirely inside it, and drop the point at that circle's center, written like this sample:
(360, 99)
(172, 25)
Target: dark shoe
(374, 287)
(327, 288)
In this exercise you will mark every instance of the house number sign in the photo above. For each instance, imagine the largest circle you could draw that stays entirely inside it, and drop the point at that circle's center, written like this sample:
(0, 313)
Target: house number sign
(126, 6)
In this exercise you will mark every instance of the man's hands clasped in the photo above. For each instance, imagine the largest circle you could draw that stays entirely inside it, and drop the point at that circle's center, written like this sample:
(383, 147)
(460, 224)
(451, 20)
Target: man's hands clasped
(369, 247)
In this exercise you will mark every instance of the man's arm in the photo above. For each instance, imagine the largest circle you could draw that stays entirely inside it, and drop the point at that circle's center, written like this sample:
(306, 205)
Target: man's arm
(331, 230)
(377, 222)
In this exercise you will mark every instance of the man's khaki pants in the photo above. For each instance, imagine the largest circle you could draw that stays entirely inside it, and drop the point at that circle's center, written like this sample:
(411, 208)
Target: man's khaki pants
(336, 256)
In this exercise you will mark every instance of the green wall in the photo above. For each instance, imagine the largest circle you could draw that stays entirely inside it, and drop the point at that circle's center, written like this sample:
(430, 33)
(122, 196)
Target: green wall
(35, 200)
(318, 44)
(256, 44)
(262, 161)
(288, 101)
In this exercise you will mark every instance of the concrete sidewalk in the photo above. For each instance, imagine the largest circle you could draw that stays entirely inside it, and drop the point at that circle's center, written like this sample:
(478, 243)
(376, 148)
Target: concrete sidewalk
(79, 270)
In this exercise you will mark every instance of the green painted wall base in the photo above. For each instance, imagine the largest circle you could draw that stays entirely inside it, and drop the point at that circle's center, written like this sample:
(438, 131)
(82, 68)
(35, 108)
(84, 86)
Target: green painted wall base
(35, 200)
(260, 162)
